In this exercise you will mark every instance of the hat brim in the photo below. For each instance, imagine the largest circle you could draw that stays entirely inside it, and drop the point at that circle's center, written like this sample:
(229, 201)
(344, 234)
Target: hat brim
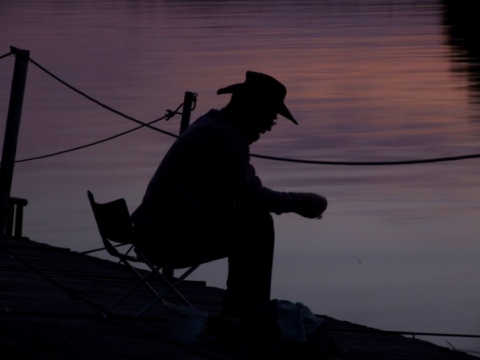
(283, 110)
(286, 113)
(230, 89)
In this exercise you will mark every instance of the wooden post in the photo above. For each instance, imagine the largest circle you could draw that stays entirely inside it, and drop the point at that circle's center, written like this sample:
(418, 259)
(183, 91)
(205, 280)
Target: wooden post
(11, 132)
(186, 112)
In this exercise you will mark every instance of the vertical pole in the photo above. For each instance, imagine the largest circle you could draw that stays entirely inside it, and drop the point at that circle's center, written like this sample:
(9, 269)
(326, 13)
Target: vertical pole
(11, 132)
(186, 112)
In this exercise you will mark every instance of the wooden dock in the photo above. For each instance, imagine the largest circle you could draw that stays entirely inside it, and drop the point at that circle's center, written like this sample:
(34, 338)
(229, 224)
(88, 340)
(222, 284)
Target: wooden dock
(52, 301)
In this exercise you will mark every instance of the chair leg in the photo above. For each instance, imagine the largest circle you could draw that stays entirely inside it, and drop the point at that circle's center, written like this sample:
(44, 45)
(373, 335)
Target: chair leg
(142, 281)
(170, 286)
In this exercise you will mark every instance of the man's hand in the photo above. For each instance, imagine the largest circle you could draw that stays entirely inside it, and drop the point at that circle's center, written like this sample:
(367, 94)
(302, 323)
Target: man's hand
(310, 205)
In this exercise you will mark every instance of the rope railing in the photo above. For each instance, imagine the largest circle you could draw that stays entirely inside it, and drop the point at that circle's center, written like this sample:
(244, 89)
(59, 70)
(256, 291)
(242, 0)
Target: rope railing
(370, 163)
(5, 55)
(261, 156)
(99, 103)
(169, 115)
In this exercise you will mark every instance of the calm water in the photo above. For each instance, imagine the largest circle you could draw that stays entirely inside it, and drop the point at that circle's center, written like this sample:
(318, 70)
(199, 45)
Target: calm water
(368, 80)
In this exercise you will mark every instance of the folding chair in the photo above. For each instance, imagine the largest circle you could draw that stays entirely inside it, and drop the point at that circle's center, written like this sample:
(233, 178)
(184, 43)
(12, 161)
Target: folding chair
(116, 230)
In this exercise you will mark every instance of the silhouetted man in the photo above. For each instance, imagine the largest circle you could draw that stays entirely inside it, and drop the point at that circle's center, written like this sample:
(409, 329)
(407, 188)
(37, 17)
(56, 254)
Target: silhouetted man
(205, 201)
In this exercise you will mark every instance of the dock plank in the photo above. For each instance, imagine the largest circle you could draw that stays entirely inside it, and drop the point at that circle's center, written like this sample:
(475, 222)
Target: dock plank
(52, 301)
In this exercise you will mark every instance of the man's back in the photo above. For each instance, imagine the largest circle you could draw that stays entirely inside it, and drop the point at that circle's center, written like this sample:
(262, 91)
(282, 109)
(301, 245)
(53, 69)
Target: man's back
(204, 171)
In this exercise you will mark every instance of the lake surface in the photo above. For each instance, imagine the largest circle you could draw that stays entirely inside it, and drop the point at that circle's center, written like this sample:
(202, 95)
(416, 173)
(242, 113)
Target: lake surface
(368, 81)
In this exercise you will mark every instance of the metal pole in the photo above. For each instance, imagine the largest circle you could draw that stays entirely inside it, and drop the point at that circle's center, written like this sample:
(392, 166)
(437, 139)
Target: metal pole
(11, 132)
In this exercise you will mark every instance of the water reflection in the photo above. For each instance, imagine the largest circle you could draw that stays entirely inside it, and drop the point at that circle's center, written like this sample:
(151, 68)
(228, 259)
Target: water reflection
(461, 26)
(368, 80)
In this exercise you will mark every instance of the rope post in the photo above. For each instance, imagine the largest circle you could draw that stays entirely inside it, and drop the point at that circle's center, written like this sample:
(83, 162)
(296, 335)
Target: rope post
(11, 132)
(187, 110)
(188, 100)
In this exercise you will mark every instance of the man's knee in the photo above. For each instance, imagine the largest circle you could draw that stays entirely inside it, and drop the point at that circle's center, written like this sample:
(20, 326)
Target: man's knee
(256, 229)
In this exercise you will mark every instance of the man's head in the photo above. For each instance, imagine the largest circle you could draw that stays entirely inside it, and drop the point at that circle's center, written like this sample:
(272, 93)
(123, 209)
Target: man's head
(256, 103)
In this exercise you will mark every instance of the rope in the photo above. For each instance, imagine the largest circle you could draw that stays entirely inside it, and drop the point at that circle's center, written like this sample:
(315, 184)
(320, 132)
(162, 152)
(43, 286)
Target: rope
(5, 55)
(274, 158)
(101, 104)
(167, 117)
(370, 163)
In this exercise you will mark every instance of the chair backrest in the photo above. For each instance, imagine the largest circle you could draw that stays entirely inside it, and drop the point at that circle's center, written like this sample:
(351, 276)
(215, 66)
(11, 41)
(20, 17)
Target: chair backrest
(113, 221)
